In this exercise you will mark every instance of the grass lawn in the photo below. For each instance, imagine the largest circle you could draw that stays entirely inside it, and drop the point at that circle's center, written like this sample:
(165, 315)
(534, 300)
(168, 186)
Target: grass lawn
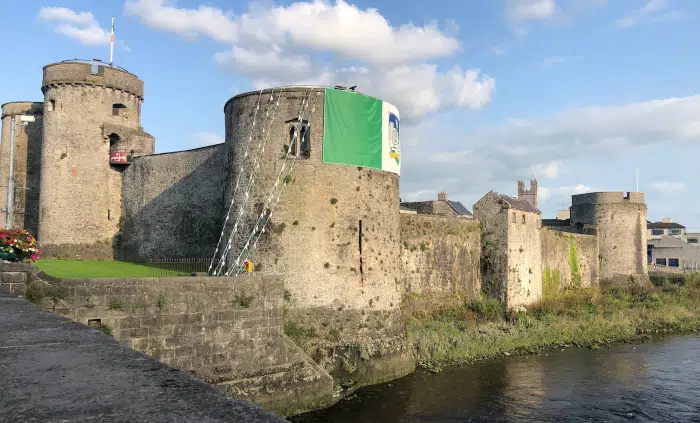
(102, 269)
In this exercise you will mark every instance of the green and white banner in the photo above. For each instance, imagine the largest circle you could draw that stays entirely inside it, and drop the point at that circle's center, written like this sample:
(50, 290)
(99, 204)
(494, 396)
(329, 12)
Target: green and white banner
(359, 130)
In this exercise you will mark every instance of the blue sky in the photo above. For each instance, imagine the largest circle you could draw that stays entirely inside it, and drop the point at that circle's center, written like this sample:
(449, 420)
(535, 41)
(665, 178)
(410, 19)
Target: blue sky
(578, 94)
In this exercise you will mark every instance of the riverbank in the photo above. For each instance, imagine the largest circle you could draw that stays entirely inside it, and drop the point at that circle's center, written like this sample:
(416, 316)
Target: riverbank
(476, 330)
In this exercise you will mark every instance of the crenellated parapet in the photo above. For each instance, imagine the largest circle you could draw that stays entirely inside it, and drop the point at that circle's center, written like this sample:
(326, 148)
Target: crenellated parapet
(94, 74)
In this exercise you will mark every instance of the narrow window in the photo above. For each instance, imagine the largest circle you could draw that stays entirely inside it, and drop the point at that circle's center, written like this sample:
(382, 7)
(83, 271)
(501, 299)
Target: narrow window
(118, 109)
(114, 140)
(523, 219)
(292, 141)
(305, 150)
(360, 245)
(52, 105)
(109, 216)
(514, 217)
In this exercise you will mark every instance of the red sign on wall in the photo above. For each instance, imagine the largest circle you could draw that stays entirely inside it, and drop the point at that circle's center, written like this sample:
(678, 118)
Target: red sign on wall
(118, 157)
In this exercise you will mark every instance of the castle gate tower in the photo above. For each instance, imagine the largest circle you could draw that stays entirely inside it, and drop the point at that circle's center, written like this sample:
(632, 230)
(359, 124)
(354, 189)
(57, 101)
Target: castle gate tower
(334, 235)
(20, 145)
(92, 118)
(620, 220)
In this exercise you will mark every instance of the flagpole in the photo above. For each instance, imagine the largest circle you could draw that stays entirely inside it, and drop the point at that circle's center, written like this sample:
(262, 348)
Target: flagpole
(111, 44)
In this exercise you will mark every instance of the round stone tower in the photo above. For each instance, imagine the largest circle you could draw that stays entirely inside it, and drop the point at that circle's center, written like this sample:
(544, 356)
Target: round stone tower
(92, 126)
(334, 235)
(620, 220)
(21, 144)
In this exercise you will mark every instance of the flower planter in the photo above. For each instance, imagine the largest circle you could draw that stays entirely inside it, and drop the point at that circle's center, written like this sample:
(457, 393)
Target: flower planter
(8, 256)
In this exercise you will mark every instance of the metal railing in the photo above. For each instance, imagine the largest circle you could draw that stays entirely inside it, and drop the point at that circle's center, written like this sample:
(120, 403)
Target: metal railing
(177, 267)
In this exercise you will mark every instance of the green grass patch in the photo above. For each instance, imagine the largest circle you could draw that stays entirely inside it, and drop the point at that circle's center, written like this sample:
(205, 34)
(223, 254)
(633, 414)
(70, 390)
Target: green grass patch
(575, 317)
(106, 269)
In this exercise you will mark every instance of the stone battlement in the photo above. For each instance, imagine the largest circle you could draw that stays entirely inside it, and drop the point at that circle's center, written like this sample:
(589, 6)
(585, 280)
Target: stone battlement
(22, 108)
(92, 74)
(607, 198)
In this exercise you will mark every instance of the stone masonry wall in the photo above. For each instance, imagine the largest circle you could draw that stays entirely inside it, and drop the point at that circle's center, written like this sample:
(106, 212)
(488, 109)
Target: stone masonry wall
(440, 256)
(493, 216)
(227, 331)
(27, 163)
(524, 258)
(347, 297)
(80, 191)
(313, 238)
(560, 249)
(172, 204)
(621, 224)
(216, 328)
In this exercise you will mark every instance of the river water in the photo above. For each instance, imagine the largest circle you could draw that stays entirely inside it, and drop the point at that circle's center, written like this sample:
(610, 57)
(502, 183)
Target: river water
(657, 381)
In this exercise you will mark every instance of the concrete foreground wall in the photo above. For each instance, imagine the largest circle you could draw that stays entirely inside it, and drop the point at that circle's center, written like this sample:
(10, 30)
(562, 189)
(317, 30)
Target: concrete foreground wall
(560, 250)
(54, 369)
(440, 256)
(226, 331)
(172, 204)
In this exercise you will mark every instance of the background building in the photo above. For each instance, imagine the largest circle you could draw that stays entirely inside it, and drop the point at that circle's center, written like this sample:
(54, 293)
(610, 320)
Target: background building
(443, 206)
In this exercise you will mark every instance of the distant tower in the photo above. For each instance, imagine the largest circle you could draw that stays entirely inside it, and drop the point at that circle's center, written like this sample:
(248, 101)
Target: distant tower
(92, 124)
(528, 195)
(620, 220)
(21, 144)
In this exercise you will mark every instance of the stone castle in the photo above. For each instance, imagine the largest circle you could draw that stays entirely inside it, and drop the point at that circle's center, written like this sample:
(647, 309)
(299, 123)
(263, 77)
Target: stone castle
(83, 176)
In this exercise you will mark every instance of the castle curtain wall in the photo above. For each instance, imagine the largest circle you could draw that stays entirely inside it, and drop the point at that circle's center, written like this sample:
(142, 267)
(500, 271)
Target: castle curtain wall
(172, 204)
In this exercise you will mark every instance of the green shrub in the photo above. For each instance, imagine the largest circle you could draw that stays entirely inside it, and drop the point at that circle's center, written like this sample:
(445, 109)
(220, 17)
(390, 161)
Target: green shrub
(486, 307)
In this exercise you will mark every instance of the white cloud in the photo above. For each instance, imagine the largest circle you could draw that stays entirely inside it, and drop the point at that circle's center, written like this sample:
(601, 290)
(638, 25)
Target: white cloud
(561, 196)
(203, 139)
(524, 10)
(494, 157)
(652, 11)
(270, 46)
(339, 28)
(80, 26)
(272, 62)
(667, 188)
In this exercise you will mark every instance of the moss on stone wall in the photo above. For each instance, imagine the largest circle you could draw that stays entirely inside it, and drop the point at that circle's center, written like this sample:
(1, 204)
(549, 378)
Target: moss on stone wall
(573, 263)
(551, 282)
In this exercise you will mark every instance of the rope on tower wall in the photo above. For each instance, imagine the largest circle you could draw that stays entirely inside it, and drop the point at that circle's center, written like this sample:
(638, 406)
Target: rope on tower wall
(238, 178)
(237, 267)
(251, 179)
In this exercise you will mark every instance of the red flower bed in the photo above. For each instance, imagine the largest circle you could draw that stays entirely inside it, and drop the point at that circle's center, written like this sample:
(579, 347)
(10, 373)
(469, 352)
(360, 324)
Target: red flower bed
(18, 245)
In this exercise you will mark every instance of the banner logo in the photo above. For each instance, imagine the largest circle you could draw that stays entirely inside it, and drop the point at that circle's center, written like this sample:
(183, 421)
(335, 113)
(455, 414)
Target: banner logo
(394, 144)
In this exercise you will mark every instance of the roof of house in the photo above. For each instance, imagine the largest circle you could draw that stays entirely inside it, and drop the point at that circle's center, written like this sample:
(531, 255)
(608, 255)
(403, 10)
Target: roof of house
(664, 225)
(518, 204)
(667, 241)
(459, 208)
(456, 206)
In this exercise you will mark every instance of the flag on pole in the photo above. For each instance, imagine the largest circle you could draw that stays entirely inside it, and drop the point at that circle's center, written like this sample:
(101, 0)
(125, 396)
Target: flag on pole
(111, 43)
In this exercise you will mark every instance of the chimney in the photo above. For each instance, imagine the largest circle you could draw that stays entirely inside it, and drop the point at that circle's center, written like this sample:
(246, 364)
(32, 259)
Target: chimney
(442, 196)
(666, 220)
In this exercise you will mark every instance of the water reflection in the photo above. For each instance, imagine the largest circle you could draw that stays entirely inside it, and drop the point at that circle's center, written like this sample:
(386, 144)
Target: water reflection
(651, 382)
